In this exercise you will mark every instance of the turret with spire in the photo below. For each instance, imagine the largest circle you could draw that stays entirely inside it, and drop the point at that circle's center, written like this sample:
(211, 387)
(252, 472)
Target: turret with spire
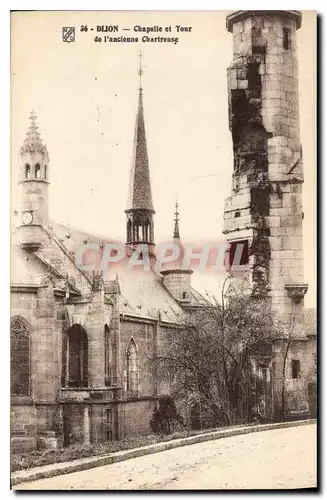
(139, 209)
(176, 279)
(34, 180)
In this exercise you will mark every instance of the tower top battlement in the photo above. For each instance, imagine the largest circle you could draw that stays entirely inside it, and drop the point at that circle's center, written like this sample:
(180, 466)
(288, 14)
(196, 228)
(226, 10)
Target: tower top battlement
(240, 15)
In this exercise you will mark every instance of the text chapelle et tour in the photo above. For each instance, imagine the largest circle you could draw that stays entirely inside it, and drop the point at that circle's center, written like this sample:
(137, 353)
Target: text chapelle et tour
(144, 29)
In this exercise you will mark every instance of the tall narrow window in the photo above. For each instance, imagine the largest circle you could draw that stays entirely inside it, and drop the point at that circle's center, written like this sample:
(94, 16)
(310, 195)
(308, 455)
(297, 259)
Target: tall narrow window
(27, 171)
(132, 368)
(254, 79)
(37, 171)
(286, 39)
(77, 356)
(295, 368)
(107, 356)
(20, 356)
(258, 45)
(137, 233)
(45, 171)
(129, 230)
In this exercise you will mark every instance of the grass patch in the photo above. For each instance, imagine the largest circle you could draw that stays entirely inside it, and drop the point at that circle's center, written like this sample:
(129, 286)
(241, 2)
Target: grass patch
(37, 458)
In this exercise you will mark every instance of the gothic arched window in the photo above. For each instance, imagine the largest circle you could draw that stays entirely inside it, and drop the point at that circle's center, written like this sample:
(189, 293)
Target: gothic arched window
(37, 171)
(20, 356)
(77, 357)
(132, 375)
(27, 171)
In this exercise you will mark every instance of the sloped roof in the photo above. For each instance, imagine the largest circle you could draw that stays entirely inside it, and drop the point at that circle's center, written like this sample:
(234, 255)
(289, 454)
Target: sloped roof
(197, 299)
(28, 269)
(23, 269)
(144, 295)
(142, 291)
(71, 237)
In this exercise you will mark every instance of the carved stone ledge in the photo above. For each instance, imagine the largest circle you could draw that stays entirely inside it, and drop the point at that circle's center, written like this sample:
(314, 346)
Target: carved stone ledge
(296, 291)
(31, 246)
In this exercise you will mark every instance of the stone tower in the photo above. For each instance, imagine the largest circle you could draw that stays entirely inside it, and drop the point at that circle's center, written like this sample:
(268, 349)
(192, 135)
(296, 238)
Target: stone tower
(34, 180)
(139, 212)
(264, 212)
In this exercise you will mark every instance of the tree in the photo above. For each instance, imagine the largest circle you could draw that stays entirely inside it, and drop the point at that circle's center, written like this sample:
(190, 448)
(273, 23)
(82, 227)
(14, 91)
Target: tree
(210, 358)
(289, 341)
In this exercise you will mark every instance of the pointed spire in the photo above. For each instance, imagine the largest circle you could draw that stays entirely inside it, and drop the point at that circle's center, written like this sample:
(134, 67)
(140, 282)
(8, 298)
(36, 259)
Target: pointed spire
(33, 142)
(176, 220)
(140, 196)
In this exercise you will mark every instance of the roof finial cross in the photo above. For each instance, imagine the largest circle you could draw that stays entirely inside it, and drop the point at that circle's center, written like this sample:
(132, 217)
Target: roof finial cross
(140, 70)
(33, 117)
(176, 228)
(176, 212)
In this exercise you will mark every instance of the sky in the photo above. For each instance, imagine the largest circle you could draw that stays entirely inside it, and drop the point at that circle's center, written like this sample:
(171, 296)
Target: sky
(85, 96)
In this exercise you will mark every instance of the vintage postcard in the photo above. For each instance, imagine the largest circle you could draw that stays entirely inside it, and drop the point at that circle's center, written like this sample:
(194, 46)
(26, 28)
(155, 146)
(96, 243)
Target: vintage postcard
(163, 250)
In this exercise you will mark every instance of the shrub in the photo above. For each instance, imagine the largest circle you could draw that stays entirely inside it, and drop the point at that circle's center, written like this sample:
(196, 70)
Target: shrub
(165, 418)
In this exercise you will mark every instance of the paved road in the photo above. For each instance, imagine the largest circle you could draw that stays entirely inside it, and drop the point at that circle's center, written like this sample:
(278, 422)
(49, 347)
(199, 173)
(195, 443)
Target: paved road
(282, 458)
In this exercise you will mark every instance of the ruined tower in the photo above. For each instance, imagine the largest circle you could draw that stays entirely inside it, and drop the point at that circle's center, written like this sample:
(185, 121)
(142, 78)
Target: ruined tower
(264, 212)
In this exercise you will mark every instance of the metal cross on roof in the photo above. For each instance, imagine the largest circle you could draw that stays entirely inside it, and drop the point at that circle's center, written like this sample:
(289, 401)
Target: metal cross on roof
(176, 227)
(140, 70)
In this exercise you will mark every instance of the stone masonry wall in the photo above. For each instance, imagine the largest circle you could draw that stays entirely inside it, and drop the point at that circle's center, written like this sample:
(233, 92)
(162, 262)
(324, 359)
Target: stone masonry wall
(136, 416)
(22, 428)
(296, 389)
(178, 284)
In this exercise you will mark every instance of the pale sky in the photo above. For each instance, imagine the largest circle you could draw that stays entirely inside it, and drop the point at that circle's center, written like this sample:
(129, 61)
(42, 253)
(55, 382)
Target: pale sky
(85, 96)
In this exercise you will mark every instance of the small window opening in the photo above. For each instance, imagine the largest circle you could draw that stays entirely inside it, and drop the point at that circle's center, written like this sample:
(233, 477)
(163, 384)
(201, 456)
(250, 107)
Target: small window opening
(27, 171)
(286, 39)
(37, 171)
(237, 213)
(137, 236)
(258, 46)
(254, 79)
(239, 253)
(295, 368)
(45, 171)
(184, 295)
(108, 355)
